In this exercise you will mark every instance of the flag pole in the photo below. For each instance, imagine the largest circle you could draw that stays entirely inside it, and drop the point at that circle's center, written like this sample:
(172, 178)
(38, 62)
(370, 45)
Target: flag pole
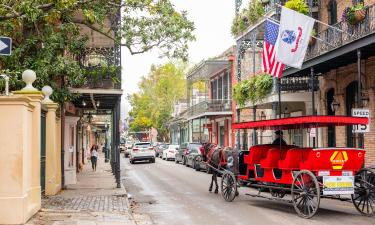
(326, 24)
(319, 39)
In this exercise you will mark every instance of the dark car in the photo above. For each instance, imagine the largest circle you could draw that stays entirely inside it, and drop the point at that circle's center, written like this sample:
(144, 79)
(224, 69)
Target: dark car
(184, 151)
(192, 155)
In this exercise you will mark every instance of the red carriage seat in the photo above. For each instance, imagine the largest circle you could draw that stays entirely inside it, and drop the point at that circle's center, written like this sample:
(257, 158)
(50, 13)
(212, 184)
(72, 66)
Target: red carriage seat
(274, 155)
(293, 158)
(256, 153)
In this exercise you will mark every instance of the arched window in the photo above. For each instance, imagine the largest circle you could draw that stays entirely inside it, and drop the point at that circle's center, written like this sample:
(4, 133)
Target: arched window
(331, 129)
(332, 12)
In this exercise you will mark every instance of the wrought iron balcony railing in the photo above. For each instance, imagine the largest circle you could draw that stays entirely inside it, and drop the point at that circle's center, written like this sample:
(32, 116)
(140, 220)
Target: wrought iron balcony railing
(333, 38)
(213, 105)
(298, 83)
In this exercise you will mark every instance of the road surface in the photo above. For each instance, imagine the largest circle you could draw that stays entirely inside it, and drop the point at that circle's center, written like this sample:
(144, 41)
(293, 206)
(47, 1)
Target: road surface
(169, 193)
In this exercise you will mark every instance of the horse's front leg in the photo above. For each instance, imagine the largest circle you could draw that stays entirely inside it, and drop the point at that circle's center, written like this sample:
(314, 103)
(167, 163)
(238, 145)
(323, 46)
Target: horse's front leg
(212, 179)
(217, 186)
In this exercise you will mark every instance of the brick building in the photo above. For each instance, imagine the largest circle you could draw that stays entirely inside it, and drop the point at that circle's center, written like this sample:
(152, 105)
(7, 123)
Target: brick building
(343, 58)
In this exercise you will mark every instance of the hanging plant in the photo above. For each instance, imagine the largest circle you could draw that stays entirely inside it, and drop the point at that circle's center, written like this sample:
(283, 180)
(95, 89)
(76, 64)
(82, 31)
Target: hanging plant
(247, 17)
(298, 5)
(99, 73)
(354, 14)
(254, 89)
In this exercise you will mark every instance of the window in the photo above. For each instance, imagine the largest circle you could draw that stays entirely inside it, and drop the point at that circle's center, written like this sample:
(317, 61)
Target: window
(332, 12)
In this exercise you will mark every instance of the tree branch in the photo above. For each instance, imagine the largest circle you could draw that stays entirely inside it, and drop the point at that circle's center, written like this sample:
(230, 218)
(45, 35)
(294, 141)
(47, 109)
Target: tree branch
(92, 27)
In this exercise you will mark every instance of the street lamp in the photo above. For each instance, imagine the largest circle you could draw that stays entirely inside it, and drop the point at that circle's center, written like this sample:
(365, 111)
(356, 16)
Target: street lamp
(263, 116)
(286, 112)
(335, 105)
(365, 100)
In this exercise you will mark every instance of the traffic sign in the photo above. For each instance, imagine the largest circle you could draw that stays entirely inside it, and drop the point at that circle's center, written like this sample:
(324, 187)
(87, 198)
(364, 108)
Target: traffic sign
(361, 113)
(5, 46)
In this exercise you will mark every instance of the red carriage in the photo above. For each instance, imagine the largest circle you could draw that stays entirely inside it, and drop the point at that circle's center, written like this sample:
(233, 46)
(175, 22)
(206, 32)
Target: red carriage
(307, 174)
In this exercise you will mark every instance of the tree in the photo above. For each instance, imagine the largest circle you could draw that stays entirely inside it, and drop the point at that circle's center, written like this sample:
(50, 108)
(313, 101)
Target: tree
(47, 35)
(153, 105)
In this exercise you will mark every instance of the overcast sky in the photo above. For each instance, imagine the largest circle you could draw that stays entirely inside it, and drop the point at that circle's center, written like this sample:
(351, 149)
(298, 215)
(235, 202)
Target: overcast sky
(212, 20)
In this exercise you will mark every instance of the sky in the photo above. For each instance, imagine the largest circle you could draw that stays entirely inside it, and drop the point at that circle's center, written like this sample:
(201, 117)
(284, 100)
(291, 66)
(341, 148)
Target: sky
(212, 19)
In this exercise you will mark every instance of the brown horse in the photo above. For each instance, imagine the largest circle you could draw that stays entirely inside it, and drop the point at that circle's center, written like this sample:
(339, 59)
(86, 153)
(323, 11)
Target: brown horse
(216, 159)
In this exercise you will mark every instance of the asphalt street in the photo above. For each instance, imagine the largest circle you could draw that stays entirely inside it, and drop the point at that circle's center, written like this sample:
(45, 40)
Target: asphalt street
(170, 193)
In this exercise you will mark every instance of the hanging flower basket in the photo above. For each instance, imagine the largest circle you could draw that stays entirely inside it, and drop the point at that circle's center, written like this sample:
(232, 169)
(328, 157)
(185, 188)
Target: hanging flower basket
(312, 41)
(359, 15)
(355, 14)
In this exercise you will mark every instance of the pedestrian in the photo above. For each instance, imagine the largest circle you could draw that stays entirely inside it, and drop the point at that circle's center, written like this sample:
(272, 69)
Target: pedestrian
(94, 156)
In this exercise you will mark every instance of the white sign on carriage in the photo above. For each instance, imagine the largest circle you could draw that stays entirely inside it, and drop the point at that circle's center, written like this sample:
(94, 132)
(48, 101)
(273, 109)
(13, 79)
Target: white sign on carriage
(338, 185)
(361, 113)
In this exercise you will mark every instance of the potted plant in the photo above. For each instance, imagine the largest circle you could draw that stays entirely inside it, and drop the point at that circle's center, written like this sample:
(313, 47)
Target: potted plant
(298, 5)
(354, 14)
(312, 39)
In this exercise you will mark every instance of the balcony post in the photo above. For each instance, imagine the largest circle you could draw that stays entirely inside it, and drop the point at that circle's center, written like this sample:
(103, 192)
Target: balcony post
(255, 130)
(312, 91)
(359, 77)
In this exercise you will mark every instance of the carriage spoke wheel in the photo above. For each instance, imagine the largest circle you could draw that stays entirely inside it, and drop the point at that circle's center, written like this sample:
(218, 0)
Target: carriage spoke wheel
(228, 186)
(305, 194)
(364, 192)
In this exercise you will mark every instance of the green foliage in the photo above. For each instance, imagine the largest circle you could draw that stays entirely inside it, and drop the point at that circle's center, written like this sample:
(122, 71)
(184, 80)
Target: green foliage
(247, 17)
(153, 105)
(349, 12)
(254, 89)
(298, 5)
(47, 37)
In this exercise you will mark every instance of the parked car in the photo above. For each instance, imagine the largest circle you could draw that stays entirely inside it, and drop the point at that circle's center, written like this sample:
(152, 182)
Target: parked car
(128, 147)
(183, 151)
(170, 152)
(142, 151)
(192, 154)
(159, 149)
(122, 146)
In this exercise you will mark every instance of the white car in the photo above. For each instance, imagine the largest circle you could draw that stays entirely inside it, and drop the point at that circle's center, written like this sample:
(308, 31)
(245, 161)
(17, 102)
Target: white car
(142, 151)
(170, 152)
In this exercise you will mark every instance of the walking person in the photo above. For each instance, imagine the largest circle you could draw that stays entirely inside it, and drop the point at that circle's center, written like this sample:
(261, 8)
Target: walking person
(94, 156)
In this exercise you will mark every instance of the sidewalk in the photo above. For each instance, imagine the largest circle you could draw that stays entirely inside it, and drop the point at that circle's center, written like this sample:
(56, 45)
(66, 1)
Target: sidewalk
(94, 200)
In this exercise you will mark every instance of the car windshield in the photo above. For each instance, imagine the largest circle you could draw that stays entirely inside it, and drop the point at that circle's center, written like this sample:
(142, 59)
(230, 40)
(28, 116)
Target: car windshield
(143, 145)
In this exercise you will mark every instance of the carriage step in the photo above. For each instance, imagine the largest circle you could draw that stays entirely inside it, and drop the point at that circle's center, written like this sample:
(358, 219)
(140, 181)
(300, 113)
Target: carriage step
(269, 198)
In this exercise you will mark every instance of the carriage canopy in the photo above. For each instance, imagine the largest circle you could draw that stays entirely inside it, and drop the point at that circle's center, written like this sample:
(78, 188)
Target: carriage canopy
(302, 122)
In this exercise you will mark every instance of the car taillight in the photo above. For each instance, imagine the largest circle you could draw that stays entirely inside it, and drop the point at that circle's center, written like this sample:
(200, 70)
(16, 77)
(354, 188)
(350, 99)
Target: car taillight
(135, 149)
(150, 148)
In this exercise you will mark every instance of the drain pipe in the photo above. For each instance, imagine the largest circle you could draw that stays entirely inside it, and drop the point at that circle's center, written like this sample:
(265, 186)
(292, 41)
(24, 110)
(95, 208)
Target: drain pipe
(6, 78)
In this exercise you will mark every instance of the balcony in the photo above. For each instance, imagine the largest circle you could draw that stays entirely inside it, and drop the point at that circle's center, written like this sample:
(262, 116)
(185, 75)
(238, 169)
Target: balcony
(333, 39)
(210, 108)
(298, 83)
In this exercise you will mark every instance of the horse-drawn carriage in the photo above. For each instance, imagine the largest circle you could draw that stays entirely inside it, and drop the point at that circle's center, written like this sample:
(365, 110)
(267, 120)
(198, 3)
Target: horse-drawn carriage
(306, 174)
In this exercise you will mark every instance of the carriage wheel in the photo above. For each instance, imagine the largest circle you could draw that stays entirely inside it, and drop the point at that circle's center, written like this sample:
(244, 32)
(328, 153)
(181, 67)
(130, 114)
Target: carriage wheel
(228, 187)
(364, 192)
(305, 194)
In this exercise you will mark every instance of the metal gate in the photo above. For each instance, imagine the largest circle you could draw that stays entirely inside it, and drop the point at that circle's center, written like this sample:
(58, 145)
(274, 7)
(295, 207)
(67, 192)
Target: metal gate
(43, 151)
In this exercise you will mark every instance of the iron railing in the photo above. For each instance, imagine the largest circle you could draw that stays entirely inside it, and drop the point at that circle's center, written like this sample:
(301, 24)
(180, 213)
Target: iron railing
(213, 105)
(333, 38)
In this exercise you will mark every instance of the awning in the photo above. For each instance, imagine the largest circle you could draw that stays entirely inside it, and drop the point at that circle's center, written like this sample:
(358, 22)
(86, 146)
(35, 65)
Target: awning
(302, 122)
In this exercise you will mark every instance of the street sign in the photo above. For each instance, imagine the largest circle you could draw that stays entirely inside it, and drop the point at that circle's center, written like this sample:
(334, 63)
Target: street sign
(361, 113)
(5, 46)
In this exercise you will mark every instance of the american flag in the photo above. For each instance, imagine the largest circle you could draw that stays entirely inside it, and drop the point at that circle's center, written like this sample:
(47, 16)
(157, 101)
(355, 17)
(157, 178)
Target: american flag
(269, 63)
